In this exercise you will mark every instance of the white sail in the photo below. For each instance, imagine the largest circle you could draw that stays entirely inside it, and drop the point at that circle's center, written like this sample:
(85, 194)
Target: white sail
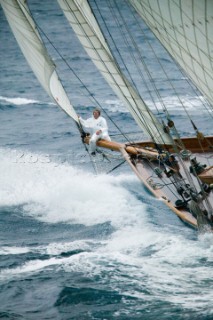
(185, 28)
(27, 36)
(83, 22)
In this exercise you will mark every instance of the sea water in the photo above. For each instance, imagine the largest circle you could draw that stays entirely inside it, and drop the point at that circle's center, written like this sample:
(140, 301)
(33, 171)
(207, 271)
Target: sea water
(75, 245)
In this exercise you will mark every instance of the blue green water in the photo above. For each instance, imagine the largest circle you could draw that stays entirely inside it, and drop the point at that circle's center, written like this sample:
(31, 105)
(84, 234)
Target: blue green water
(75, 245)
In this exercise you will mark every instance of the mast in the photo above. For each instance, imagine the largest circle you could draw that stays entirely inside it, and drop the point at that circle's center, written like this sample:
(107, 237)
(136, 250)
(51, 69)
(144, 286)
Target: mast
(84, 24)
(32, 46)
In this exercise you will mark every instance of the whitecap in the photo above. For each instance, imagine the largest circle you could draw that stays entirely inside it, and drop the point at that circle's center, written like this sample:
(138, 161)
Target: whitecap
(21, 101)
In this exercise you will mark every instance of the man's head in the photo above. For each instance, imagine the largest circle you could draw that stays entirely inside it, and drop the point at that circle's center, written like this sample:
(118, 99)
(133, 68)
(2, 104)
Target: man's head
(96, 113)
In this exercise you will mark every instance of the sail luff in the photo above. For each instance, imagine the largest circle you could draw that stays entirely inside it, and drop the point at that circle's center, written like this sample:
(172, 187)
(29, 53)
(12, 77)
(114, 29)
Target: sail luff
(185, 30)
(27, 36)
(85, 26)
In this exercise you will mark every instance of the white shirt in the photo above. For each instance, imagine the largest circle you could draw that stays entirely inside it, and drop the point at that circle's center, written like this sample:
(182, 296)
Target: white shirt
(95, 124)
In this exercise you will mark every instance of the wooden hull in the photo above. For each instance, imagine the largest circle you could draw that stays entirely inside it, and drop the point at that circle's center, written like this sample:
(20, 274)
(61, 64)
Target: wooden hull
(143, 174)
(143, 160)
(207, 175)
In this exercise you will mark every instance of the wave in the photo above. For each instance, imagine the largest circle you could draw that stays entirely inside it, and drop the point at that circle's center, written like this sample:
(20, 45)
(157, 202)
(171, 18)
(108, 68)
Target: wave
(30, 267)
(139, 262)
(11, 250)
(116, 106)
(20, 101)
(167, 263)
(172, 103)
(52, 249)
(45, 188)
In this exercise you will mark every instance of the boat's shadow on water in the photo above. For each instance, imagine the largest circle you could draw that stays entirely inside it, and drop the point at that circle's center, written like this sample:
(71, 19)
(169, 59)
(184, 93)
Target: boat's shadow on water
(156, 212)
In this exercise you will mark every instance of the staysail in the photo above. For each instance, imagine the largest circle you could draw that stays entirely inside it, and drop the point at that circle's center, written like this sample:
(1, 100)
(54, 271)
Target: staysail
(31, 44)
(84, 24)
(185, 29)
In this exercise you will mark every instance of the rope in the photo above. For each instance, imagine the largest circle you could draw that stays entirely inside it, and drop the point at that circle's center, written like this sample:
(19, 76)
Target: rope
(88, 91)
(144, 122)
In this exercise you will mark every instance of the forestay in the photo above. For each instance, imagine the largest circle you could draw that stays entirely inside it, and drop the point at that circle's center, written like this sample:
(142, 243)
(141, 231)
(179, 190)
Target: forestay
(185, 29)
(31, 44)
(84, 24)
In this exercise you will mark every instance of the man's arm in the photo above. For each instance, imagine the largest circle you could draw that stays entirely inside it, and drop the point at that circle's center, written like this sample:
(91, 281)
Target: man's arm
(85, 123)
(104, 127)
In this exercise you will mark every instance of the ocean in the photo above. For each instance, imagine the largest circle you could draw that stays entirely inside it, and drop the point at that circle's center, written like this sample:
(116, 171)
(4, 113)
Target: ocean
(74, 244)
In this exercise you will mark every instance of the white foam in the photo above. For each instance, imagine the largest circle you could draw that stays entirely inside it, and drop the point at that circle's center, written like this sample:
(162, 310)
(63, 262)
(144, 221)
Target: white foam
(53, 249)
(31, 267)
(6, 250)
(18, 101)
(138, 254)
(56, 248)
(174, 103)
(21, 101)
(165, 265)
(58, 192)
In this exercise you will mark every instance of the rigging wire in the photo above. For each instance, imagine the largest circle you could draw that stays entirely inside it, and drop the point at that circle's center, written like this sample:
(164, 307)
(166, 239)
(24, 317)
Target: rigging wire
(183, 165)
(80, 81)
(84, 86)
(147, 70)
(41, 31)
(87, 88)
(139, 68)
(91, 96)
(74, 72)
(181, 71)
(139, 111)
(79, 126)
(137, 50)
(144, 123)
(135, 60)
(127, 45)
(183, 15)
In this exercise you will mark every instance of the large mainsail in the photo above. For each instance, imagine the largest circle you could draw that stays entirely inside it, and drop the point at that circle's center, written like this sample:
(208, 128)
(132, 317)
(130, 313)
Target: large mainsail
(84, 24)
(31, 44)
(185, 28)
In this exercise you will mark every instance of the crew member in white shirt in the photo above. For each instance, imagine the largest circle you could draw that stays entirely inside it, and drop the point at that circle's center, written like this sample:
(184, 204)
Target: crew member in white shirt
(99, 128)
